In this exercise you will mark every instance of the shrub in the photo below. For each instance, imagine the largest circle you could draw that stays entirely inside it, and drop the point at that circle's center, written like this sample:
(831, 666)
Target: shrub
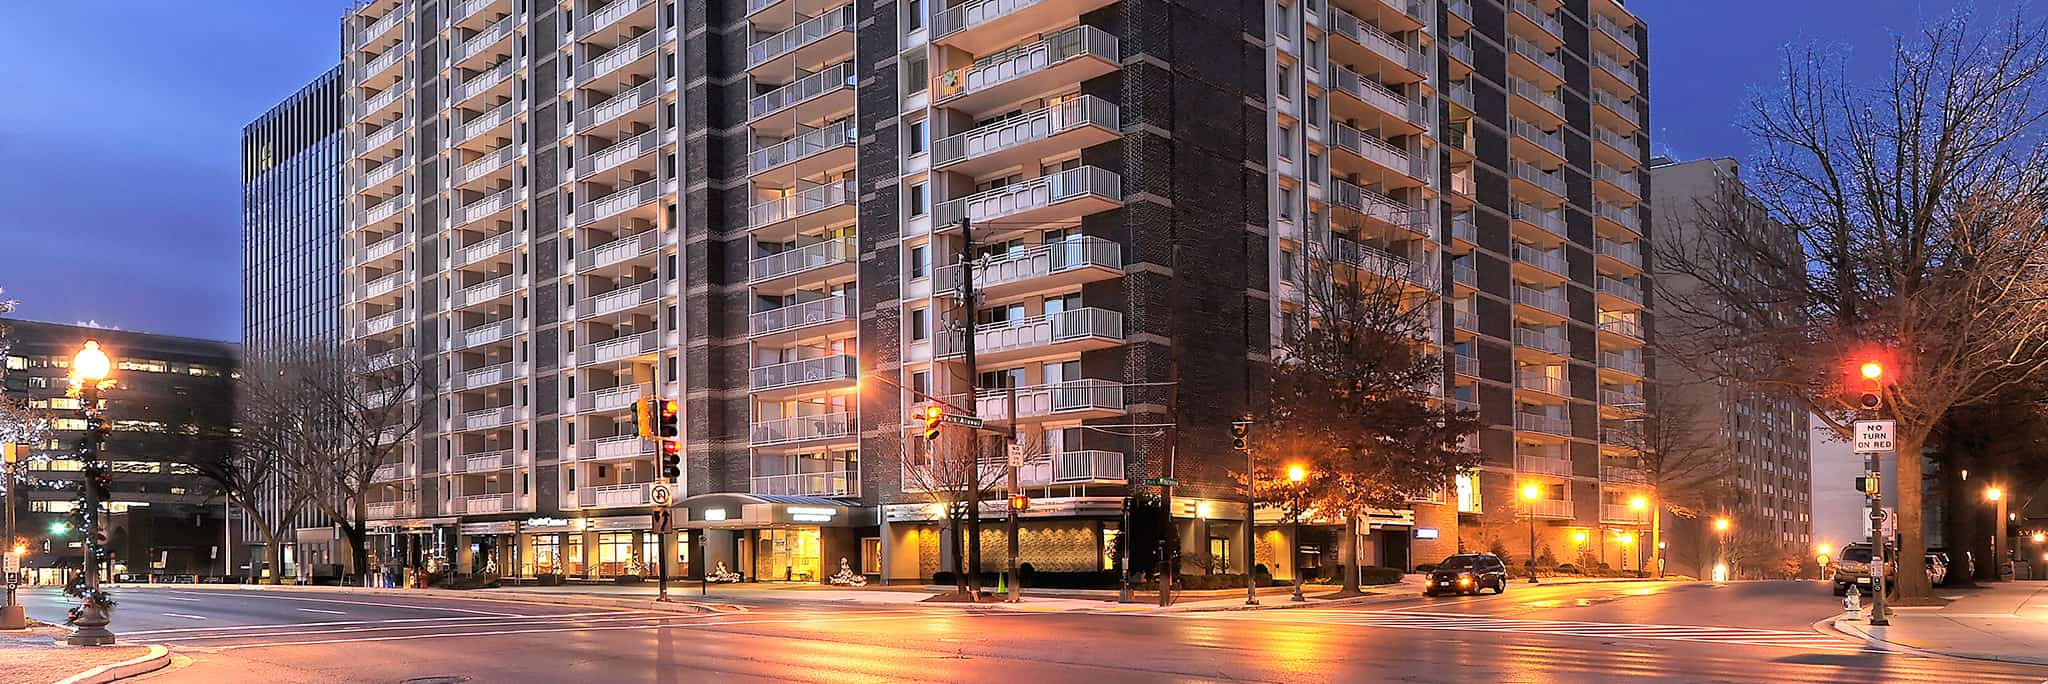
(1568, 569)
(1378, 575)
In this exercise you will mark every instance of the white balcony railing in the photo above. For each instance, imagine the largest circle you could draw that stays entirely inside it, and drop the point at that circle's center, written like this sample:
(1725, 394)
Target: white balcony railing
(1544, 341)
(1543, 383)
(1376, 206)
(1618, 178)
(1616, 68)
(619, 202)
(1621, 106)
(833, 136)
(1543, 97)
(382, 323)
(1619, 288)
(1065, 326)
(840, 483)
(1625, 252)
(800, 259)
(1631, 365)
(803, 89)
(1552, 302)
(800, 203)
(1066, 397)
(1621, 35)
(1624, 513)
(1543, 461)
(1349, 26)
(1011, 131)
(487, 290)
(619, 153)
(618, 105)
(487, 247)
(800, 429)
(615, 495)
(492, 203)
(616, 447)
(1550, 220)
(1542, 19)
(487, 333)
(1036, 193)
(614, 398)
(484, 165)
(481, 40)
(1547, 508)
(386, 209)
(493, 118)
(810, 31)
(1627, 327)
(1038, 261)
(992, 70)
(803, 371)
(1625, 216)
(618, 250)
(832, 309)
(1550, 141)
(1373, 148)
(608, 15)
(382, 24)
(1550, 182)
(620, 299)
(624, 346)
(623, 54)
(383, 136)
(487, 375)
(1548, 261)
(1374, 94)
(1535, 53)
(489, 78)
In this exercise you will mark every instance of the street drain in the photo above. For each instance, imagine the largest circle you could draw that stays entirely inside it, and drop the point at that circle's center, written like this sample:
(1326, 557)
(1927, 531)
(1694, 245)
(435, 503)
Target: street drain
(435, 680)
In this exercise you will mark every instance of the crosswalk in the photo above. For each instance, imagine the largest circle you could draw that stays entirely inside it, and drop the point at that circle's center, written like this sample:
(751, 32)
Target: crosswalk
(1744, 636)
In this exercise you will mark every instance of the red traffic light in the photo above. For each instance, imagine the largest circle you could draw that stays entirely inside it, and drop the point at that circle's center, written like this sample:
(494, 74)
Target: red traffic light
(1873, 370)
(934, 412)
(668, 408)
(1020, 502)
(670, 447)
(932, 415)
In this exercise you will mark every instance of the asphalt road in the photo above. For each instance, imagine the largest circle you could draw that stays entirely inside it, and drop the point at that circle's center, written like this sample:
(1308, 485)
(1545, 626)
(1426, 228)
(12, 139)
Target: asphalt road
(1742, 632)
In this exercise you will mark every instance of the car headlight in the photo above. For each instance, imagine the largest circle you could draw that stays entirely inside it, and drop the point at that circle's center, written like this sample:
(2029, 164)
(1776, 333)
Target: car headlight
(1464, 579)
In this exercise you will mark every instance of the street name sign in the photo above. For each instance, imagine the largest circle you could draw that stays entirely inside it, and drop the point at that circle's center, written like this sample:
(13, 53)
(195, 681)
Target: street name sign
(969, 421)
(1161, 482)
(1875, 436)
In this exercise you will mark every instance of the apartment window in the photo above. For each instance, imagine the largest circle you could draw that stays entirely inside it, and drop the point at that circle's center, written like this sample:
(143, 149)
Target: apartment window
(1286, 142)
(920, 262)
(921, 383)
(917, 136)
(1284, 77)
(1286, 266)
(913, 15)
(920, 199)
(1286, 208)
(920, 324)
(916, 75)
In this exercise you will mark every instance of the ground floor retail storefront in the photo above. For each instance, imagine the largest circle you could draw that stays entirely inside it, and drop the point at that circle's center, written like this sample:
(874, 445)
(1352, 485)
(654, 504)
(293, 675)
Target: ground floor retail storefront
(773, 538)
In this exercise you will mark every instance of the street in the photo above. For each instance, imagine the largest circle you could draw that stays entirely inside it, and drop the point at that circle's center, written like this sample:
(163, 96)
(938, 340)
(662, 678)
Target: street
(1740, 632)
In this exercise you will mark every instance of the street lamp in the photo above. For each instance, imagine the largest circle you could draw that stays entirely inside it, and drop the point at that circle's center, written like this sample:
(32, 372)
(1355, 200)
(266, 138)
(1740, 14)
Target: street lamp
(1721, 537)
(1530, 493)
(1996, 496)
(1640, 503)
(1579, 540)
(89, 370)
(1295, 475)
(12, 615)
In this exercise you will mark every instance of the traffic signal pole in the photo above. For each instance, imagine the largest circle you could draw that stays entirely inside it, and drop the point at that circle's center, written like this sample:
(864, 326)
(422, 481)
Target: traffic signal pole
(12, 616)
(969, 300)
(1012, 453)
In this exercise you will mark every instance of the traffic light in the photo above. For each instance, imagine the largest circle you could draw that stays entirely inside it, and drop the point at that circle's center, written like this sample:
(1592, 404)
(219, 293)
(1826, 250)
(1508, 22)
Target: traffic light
(643, 417)
(656, 418)
(1867, 484)
(1020, 503)
(1240, 435)
(1873, 372)
(933, 416)
(671, 459)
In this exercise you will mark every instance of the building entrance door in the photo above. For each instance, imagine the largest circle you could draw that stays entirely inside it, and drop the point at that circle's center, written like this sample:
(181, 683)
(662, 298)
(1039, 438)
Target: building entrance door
(787, 555)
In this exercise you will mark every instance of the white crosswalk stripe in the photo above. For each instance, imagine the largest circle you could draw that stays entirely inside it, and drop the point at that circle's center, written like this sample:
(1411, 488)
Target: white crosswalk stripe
(1565, 628)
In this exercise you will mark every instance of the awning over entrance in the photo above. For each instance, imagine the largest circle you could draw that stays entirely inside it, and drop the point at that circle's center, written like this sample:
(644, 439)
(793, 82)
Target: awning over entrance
(734, 510)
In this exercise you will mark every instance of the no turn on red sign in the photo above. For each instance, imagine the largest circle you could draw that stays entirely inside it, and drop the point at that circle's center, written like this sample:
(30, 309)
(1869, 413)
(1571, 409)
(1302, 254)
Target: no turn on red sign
(1876, 436)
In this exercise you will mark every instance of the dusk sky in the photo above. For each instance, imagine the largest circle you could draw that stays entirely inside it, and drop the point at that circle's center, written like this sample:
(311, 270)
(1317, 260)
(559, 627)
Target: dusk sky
(120, 138)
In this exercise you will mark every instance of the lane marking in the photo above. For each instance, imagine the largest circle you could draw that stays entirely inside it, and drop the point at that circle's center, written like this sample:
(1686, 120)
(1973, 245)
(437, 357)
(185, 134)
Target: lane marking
(362, 603)
(365, 622)
(352, 630)
(181, 598)
(317, 610)
(409, 637)
(1572, 628)
(182, 615)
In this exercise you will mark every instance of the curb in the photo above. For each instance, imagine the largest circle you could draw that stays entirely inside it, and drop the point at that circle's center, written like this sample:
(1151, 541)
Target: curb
(156, 659)
(505, 596)
(1847, 629)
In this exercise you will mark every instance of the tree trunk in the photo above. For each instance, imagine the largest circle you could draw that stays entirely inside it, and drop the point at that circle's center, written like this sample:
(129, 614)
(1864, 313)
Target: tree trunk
(1349, 546)
(274, 557)
(959, 555)
(1912, 560)
(1656, 543)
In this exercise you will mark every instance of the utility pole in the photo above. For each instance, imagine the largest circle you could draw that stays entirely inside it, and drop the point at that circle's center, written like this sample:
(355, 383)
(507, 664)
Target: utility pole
(970, 302)
(12, 616)
(1014, 455)
(1240, 433)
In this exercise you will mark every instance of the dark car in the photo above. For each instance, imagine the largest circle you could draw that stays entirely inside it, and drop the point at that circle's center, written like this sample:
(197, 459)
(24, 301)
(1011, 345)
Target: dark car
(1853, 570)
(1467, 573)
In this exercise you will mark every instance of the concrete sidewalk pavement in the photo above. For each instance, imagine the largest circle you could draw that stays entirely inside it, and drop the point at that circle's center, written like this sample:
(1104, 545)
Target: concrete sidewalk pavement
(2005, 621)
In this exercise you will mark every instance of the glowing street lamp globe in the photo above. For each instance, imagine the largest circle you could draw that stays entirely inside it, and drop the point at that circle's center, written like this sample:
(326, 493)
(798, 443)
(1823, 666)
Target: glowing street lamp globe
(90, 364)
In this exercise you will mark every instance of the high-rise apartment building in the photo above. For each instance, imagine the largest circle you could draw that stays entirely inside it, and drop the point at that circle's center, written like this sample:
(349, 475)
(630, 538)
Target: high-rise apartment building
(292, 160)
(759, 207)
(1767, 436)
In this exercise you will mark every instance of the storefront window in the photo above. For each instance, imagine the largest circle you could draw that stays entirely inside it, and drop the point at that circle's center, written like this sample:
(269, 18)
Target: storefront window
(650, 549)
(789, 555)
(572, 556)
(615, 555)
(546, 556)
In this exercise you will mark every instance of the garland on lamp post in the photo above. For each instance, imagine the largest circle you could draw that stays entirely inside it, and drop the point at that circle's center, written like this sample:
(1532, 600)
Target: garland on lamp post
(85, 519)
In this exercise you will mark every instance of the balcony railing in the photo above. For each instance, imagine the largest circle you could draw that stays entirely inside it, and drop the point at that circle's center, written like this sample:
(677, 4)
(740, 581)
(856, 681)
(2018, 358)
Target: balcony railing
(810, 31)
(484, 462)
(1375, 149)
(1038, 261)
(1543, 341)
(492, 203)
(487, 37)
(1617, 103)
(1627, 327)
(835, 135)
(1379, 96)
(616, 447)
(1543, 383)
(484, 419)
(1035, 193)
(490, 77)
(1380, 262)
(383, 285)
(1618, 362)
(1543, 461)
(1614, 67)
(1542, 19)
(1620, 34)
(832, 309)
(609, 14)
(486, 333)
(1465, 274)
(1543, 97)
(1625, 252)
(625, 346)
(1087, 110)
(1374, 205)
(383, 323)
(620, 249)
(840, 483)
(484, 165)
(801, 202)
(1626, 216)
(625, 53)
(617, 105)
(1550, 141)
(497, 116)
(800, 259)
(1617, 178)
(619, 202)
(1465, 319)
(382, 24)
(1624, 474)
(387, 510)
(1624, 513)
(1052, 399)
(1465, 365)
(1621, 398)
(1550, 220)
(616, 495)
(381, 62)
(1065, 326)
(1378, 41)
(1619, 288)
(382, 99)
(619, 153)
(390, 472)
(803, 371)
(487, 247)
(1462, 228)
(1548, 261)
(800, 429)
(1607, 136)
(832, 78)
(1547, 508)
(1538, 177)
(487, 290)
(1022, 60)
(383, 136)
(620, 299)
(1547, 301)
(486, 376)
(1535, 53)
(614, 398)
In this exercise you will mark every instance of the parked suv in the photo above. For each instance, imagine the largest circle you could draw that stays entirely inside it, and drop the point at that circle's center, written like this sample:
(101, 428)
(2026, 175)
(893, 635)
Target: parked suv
(1853, 570)
(1467, 573)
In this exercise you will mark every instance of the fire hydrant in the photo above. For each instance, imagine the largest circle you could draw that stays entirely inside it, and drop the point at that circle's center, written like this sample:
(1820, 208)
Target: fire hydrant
(1852, 602)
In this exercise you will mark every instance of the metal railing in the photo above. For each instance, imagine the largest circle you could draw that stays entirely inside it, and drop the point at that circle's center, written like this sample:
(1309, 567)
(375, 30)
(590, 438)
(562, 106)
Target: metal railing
(1051, 399)
(1625, 252)
(1465, 274)
(383, 284)
(831, 309)
(607, 15)
(810, 31)
(619, 56)
(1550, 220)
(1462, 228)
(805, 201)
(487, 290)
(381, 62)
(486, 376)
(1345, 24)
(1548, 261)
(999, 68)
(1616, 68)
(383, 248)
(1620, 398)
(1615, 102)
(614, 495)
(617, 105)
(1616, 177)
(620, 299)
(1550, 141)
(1539, 461)
(1465, 319)
(616, 446)
(382, 99)
(803, 371)
(621, 249)
(1544, 341)
(614, 398)
(1350, 196)
(1379, 261)
(619, 202)
(1623, 326)
(1540, 18)
(1619, 288)
(624, 346)
(487, 333)
(837, 134)
(1038, 261)
(1087, 110)
(1465, 365)
(485, 164)
(800, 428)
(1535, 53)
(1461, 51)
(833, 483)
(1537, 177)
(1543, 383)
(1626, 364)
(487, 37)
(832, 78)
(382, 24)
(1547, 508)
(384, 135)
(1543, 97)
(1038, 331)
(496, 116)
(618, 153)
(491, 76)
(488, 247)
(386, 209)
(968, 15)
(1610, 138)
(1624, 513)
(1625, 216)
(492, 203)
(1547, 301)
(814, 255)
(1034, 193)
(1375, 149)
(1372, 93)
(1621, 34)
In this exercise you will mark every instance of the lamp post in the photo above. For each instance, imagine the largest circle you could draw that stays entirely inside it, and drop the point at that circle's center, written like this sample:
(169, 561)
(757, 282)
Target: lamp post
(1579, 540)
(1640, 503)
(1295, 475)
(1721, 571)
(1996, 496)
(12, 616)
(1529, 494)
(1821, 552)
(88, 376)
(1628, 540)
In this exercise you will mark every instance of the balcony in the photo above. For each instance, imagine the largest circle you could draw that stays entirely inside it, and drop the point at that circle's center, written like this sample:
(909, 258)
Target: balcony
(483, 166)
(1536, 142)
(1541, 66)
(483, 504)
(1624, 474)
(1625, 327)
(1547, 508)
(1617, 216)
(1625, 253)
(491, 205)
(1542, 102)
(1395, 112)
(1536, 23)
(814, 318)
(487, 291)
(838, 483)
(1543, 341)
(487, 333)
(1393, 55)
(801, 429)
(1066, 332)
(994, 81)
(483, 40)
(1072, 468)
(390, 510)
(1538, 382)
(625, 298)
(1624, 514)
(1463, 230)
(1526, 175)
(792, 377)
(489, 461)
(1072, 124)
(378, 28)
(383, 285)
(1615, 111)
(488, 247)
(808, 154)
(383, 100)
(609, 14)
(1623, 185)
(1615, 35)
(1458, 15)
(1622, 149)
(1394, 162)
(373, 181)
(1068, 194)
(485, 419)
(1463, 273)
(804, 97)
(1626, 399)
(380, 64)
(468, 8)
(1467, 366)
(485, 122)
(1548, 265)
(1072, 399)
(1616, 293)
(392, 472)
(1382, 263)
(1548, 302)
(486, 376)
(1046, 266)
(615, 495)
(1621, 363)
(1616, 73)
(817, 255)
(633, 50)
(1466, 319)
(614, 448)
(619, 153)
(389, 133)
(619, 250)
(485, 81)
(621, 104)
(979, 27)
(1377, 207)
(617, 398)
(380, 249)
(1541, 461)
(804, 210)
(383, 323)
(812, 41)
(621, 348)
(618, 203)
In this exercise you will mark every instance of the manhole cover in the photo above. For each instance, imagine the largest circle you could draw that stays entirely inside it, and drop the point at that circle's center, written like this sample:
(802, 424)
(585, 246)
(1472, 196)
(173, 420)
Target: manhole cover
(436, 680)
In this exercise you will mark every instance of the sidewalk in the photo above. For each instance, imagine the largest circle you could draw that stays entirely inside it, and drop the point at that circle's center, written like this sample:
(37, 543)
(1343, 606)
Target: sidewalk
(2005, 621)
(39, 655)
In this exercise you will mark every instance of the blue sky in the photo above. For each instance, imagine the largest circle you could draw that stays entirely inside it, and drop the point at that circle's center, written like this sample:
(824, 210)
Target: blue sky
(120, 138)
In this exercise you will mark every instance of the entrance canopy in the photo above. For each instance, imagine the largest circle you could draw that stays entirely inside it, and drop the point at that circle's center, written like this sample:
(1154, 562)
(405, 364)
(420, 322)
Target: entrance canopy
(753, 511)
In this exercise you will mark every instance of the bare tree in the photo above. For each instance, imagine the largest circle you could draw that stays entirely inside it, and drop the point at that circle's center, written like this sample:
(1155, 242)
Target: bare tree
(255, 464)
(1917, 206)
(1351, 397)
(367, 407)
(954, 475)
(1682, 461)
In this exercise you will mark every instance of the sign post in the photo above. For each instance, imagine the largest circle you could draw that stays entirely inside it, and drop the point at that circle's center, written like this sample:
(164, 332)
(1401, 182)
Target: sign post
(1874, 439)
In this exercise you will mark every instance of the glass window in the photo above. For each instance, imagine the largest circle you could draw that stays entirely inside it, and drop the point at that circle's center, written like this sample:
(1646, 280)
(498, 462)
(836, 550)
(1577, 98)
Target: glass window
(913, 15)
(916, 75)
(920, 262)
(920, 199)
(917, 137)
(920, 324)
